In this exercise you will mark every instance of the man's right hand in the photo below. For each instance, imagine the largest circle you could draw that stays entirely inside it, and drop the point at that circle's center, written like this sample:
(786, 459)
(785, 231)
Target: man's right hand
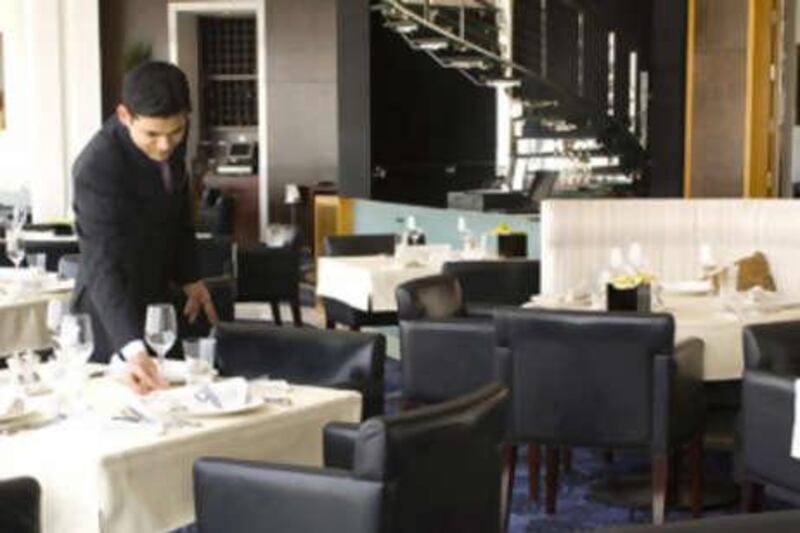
(142, 375)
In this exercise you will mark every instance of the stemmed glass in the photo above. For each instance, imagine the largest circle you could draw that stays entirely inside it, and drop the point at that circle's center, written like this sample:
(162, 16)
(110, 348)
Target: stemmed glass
(75, 337)
(15, 247)
(160, 330)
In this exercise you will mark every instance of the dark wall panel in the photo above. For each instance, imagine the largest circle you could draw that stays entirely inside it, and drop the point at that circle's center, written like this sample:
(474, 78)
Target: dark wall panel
(432, 129)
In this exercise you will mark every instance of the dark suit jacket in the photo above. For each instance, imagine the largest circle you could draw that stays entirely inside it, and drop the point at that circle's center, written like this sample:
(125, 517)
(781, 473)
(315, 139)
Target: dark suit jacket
(135, 238)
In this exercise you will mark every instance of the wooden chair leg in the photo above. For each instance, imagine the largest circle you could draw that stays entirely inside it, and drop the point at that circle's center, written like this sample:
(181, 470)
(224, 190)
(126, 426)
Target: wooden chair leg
(696, 461)
(566, 460)
(551, 479)
(297, 316)
(752, 496)
(510, 465)
(660, 468)
(276, 313)
(534, 467)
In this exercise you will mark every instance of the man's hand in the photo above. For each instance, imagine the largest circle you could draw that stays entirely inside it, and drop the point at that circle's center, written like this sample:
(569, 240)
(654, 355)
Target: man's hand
(142, 375)
(197, 298)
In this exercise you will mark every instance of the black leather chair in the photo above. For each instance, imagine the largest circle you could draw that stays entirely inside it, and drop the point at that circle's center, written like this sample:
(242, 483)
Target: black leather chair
(772, 364)
(20, 505)
(433, 470)
(337, 312)
(446, 350)
(53, 250)
(504, 282)
(216, 213)
(339, 359)
(772, 522)
(215, 256)
(271, 275)
(605, 380)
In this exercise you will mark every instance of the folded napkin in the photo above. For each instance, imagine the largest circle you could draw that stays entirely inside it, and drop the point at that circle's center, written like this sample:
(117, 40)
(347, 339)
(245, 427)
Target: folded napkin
(226, 395)
(11, 403)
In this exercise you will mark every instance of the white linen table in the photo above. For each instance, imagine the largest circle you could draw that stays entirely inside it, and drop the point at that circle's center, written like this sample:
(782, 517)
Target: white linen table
(720, 329)
(368, 283)
(101, 476)
(23, 317)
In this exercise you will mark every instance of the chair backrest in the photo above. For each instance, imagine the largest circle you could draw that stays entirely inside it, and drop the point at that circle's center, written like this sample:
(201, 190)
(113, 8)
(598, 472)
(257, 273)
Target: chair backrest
(441, 466)
(773, 347)
(342, 359)
(20, 505)
(510, 281)
(54, 250)
(431, 297)
(585, 377)
(379, 243)
(267, 274)
(68, 266)
(215, 257)
(216, 213)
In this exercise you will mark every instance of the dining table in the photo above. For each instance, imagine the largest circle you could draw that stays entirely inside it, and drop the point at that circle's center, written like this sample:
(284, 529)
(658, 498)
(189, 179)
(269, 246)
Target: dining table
(24, 296)
(100, 472)
(717, 320)
(368, 282)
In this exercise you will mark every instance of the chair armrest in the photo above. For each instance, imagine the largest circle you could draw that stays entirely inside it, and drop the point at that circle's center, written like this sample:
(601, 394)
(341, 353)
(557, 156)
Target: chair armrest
(19, 505)
(767, 422)
(478, 310)
(339, 443)
(243, 497)
(443, 359)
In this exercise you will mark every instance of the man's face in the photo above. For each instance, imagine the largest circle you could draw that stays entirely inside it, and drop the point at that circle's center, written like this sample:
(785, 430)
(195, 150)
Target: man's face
(157, 137)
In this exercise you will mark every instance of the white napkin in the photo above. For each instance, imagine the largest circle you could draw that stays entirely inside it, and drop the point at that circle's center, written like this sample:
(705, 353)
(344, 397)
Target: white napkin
(11, 403)
(796, 428)
(230, 393)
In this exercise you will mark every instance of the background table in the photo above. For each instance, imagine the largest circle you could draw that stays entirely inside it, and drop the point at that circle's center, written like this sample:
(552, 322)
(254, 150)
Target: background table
(98, 477)
(720, 329)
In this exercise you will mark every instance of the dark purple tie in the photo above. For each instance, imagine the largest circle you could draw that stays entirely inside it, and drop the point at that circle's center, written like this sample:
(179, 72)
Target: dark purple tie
(166, 176)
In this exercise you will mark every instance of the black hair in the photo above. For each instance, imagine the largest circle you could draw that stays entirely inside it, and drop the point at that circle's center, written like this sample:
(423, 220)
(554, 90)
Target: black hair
(156, 89)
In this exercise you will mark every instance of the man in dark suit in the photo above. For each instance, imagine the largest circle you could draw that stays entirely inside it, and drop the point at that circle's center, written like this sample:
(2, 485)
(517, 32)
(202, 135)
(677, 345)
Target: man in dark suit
(133, 219)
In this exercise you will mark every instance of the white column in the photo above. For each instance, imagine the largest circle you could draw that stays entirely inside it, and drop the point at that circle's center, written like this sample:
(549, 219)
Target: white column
(64, 95)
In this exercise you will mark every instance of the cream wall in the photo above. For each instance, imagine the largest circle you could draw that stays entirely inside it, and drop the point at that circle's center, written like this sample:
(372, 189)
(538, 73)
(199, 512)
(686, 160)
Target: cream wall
(53, 96)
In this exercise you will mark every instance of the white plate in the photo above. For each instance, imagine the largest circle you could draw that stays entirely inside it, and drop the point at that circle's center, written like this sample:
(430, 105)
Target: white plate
(689, 288)
(251, 405)
(17, 417)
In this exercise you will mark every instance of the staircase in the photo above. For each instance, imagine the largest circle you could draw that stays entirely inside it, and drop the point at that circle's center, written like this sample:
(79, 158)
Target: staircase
(573, 83)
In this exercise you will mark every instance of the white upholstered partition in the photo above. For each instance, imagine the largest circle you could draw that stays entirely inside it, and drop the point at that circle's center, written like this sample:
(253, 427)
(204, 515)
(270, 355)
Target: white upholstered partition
(577, 236)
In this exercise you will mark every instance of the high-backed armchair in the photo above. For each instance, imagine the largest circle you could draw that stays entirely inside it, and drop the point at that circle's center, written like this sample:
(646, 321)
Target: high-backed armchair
(504, 282)
(772, 364)
(606, 380)
(446, 351)
(337, 312)
(270, 274)
(432, 470)
(20, 505)
(341, 359)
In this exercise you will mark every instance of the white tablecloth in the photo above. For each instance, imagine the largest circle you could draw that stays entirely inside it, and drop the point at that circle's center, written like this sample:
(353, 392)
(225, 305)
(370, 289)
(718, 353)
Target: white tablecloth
(721, 330)
(368, 282)
(99, 477)
(23, 317)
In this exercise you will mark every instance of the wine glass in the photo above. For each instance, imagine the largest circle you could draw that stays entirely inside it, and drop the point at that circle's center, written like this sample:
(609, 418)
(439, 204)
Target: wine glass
(15, 247)
(75, 337)
(160, 330)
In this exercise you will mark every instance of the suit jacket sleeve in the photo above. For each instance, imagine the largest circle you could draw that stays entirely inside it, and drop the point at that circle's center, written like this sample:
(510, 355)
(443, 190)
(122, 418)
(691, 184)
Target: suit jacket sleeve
(100, 214)
(186, 263)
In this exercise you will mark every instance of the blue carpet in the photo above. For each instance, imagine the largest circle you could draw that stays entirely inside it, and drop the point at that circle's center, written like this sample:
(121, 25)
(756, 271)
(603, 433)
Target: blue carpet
(576, 511)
